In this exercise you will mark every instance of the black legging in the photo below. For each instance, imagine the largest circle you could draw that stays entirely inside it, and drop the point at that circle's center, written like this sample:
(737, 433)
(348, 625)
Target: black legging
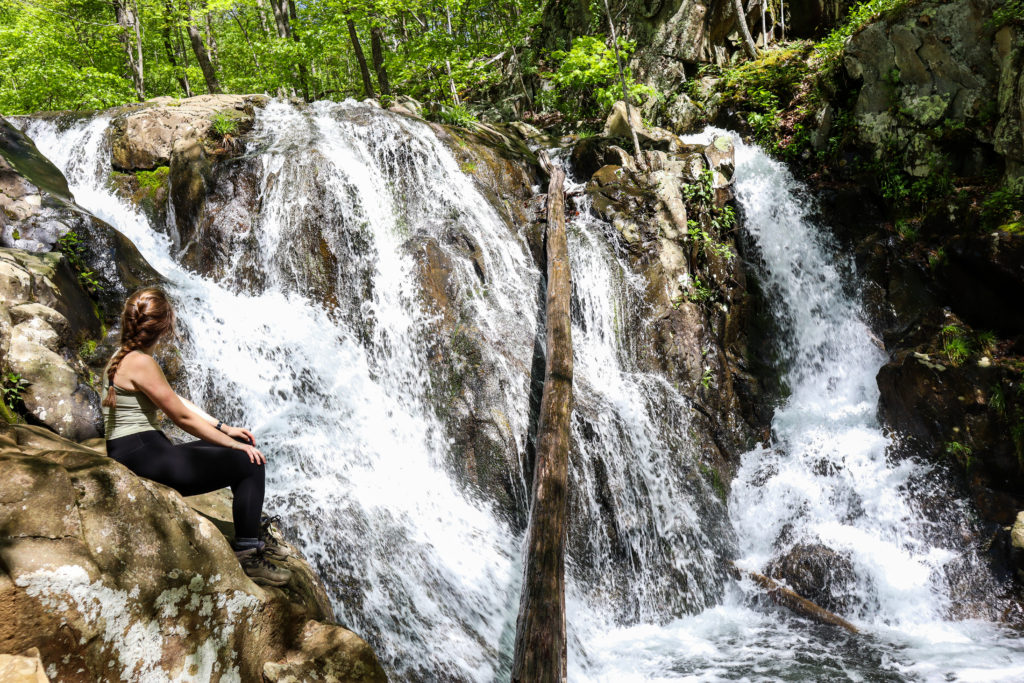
(197, 467)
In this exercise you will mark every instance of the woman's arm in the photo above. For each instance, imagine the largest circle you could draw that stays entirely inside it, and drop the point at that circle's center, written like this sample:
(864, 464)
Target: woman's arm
(147, 377)
(198, 411)
(233, 432)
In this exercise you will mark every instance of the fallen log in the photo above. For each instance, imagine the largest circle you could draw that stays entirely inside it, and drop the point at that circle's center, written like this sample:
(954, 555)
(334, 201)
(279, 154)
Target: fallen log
(540, 646)
(790, 599)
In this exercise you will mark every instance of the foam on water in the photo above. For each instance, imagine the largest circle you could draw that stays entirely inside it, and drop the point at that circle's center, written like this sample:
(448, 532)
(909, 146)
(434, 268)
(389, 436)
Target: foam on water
(428, 573)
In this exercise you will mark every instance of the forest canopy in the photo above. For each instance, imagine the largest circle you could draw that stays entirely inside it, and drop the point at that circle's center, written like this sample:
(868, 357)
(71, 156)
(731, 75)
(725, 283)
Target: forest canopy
(84, 54)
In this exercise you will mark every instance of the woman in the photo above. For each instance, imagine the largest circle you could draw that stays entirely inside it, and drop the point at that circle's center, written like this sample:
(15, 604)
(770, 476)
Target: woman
(224, 456)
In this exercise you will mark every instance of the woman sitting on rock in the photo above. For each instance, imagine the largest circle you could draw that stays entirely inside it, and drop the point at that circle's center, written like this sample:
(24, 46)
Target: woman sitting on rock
(224, 456)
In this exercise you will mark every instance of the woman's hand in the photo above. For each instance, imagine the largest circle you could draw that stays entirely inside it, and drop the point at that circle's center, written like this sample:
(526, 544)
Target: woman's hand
(254, 455)
(239, 434)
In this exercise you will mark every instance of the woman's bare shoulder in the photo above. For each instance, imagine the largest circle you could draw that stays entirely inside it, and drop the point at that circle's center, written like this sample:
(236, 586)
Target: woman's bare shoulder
(136, 367)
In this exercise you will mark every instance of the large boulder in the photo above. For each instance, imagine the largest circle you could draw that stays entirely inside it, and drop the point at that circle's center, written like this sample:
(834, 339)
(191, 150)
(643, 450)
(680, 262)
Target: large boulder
(110, 575)
(669, 220)
(818, 573)
(45, 318)
(950, 402)
(939, 91)
(143, 137)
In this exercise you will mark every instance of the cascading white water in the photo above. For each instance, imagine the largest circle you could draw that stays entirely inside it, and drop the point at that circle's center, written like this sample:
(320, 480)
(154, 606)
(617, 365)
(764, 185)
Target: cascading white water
(824, 479)
(429, 573)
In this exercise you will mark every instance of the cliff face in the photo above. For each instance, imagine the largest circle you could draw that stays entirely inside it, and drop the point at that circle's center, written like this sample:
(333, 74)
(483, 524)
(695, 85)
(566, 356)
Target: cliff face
(911, 137)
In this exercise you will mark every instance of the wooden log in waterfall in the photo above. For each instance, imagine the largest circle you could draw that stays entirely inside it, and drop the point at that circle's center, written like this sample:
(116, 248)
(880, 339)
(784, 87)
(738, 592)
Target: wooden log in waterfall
(540, 647)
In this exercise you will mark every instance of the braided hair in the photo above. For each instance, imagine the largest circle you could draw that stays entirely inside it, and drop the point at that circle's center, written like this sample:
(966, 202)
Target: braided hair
(147, 316)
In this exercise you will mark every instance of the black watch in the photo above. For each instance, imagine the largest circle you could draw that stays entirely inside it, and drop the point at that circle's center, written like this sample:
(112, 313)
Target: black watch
(219, 423)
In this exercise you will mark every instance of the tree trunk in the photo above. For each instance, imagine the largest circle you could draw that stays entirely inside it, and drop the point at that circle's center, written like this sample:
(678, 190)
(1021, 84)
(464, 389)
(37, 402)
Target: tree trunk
(785, 597)
(211, 42)
(127, 18)
(361, 58)
(280, 18)
(202, 56)
(261, 17)
(181, 76)
(741, 19)
(447, 63)
(625, 91)
(303, 74)
(540, 646)
(764, 23)
(377, 52)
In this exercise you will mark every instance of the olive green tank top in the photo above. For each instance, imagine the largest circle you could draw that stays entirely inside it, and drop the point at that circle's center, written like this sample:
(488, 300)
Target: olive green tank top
(135, 413)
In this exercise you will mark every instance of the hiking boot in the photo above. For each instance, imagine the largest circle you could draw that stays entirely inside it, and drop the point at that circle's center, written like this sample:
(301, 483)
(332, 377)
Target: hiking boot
(269, 539)
(258, 568)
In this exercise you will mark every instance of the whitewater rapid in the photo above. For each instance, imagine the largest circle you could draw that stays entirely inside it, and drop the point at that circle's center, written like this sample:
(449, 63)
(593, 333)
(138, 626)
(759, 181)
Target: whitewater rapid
(427, 571)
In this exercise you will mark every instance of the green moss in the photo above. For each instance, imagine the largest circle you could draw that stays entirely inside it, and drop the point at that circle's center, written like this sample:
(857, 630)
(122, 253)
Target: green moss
(153, 181)
(714, 479)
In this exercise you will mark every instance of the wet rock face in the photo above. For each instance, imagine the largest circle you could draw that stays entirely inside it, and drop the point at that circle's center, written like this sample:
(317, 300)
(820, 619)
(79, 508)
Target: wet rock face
(670, 222)
(961, 414)
(106, 572)
(36, 210)
(818, 573)
(45, 316)
(466, 390)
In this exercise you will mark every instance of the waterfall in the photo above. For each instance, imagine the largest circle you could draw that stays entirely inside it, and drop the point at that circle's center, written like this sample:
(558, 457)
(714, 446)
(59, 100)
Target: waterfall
(326, 358)
(428, 574)
(826, 479)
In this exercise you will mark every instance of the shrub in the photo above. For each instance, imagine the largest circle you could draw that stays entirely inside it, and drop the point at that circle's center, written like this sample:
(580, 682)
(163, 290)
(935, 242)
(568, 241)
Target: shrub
(456, 115)
(586, 82)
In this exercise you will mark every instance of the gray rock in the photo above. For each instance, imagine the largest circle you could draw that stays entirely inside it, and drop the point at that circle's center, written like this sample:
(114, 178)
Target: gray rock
(54, 396)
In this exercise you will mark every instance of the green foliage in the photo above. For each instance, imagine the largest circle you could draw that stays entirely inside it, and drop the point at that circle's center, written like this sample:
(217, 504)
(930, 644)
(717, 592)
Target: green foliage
(956, 344)
(700, 197)
(1010, 12)
(12, 386)
(71, 245)
(961, 453)
(224, 124)
(68, 54)
(699, 292)
(937, 258)
(586, 82)
(1004, 207)
(60, 54)
(88, 348)
(456, 115)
